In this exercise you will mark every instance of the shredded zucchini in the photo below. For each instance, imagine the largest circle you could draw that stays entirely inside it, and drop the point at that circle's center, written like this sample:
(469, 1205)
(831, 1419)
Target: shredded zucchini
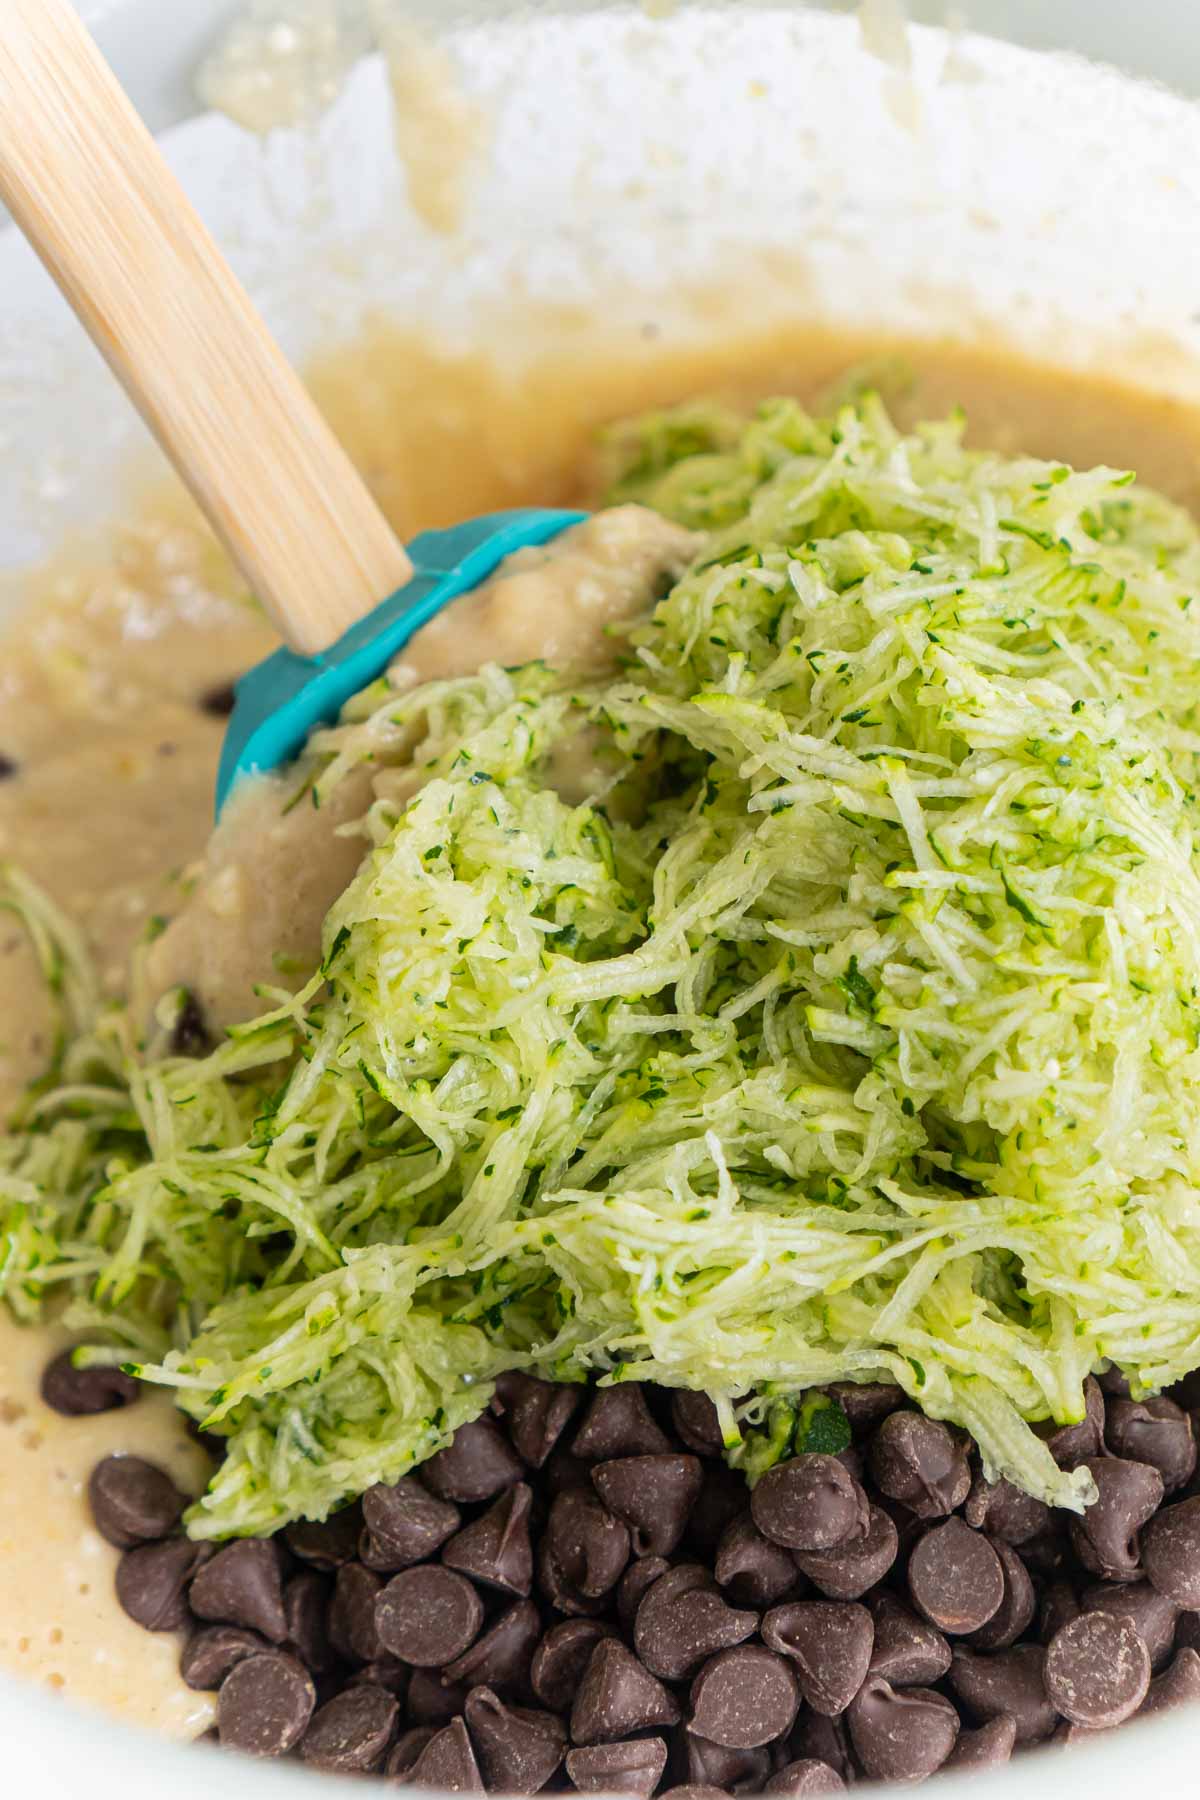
(853, 1035)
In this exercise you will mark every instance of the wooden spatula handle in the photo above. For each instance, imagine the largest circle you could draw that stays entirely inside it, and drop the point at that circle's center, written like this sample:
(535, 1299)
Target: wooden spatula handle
(86, 183)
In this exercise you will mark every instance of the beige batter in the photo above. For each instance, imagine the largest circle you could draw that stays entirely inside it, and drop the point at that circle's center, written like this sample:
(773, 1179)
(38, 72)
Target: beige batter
(101, 687)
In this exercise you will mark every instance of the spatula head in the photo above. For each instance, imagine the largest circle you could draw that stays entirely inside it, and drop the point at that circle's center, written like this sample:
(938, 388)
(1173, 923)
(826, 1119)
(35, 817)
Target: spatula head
(286, 697)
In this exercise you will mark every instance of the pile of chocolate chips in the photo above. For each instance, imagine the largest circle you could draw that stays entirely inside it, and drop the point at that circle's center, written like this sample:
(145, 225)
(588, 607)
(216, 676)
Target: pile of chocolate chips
(579, 1595)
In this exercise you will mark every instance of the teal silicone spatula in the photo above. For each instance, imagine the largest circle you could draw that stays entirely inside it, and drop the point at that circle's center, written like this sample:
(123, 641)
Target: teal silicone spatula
(86, 183)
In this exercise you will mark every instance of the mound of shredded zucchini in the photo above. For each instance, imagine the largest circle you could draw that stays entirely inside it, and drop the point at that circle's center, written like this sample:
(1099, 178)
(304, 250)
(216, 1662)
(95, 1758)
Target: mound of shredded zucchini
(854, 1034)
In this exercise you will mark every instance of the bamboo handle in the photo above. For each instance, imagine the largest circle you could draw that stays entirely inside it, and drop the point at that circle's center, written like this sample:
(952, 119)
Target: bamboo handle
(86, 183)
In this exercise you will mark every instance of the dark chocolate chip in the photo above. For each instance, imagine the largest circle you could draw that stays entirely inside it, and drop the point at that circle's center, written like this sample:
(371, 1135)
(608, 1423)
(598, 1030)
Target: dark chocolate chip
(744, 1697)
(477, 1465)
(350, 1734)
(242, 1585)
(428, 1616)
(432, 1700)
(151, 1583)
(805, 1776)
(1004, 1512)
(327, 1543)
(1097, 1670)
(866, 1403)
(907, 1651)
(132, 1501)
(352, 1614)
(820, 1739)
(692, 1790)
(752, 1570)
(561, 1659)
(1171, 1551)
(1078, 1442)
(210, 1653)
(190, 1034)
(1006, 1682)
(1059, 1604)
(618, 1422)
(306, 1601)
(723, 1497)
(1113, 1382)
(1106, 1537)
(829, 1646)
(1179, 1686)
(9, 766)
(1014, 1615)
(653, 1495)
(219, 701)
(583, 1553)
(407, 1748)
(1153, 1615)
(955, 1578)
(500, 1658)
(265, 1704)
(920, 1462)
(683, 1619)
(536, 1412)
(984, 1748)
(809, 1503)
(517, 1747)
(638, 1578)
(386, 1673)
(852, 1570)
(447, 1763)
(695, 1419)
(717, 1765)
(633, 1767)
(495, 1548)
(617, 1697)
(406, 1524)
(1153, 1431)
(901, 1735)
(76, 1393)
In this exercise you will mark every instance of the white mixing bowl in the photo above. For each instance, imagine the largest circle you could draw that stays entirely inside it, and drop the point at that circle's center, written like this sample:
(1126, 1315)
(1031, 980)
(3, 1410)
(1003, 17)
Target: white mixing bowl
(969, 186)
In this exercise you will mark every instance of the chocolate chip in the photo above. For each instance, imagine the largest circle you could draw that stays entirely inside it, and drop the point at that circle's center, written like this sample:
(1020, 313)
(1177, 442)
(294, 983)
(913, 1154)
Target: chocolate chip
(653, 1495)
(77, 1393)
(920, 1463)
(306, 1599)
(752, 1570)
(447, 1763)
(866, 1403)
(722, 1498)
(517, 1747)
(907, 1651)
(406, 1524)
(901, 1735)
(1171, 1551)
(820, 1739)
(1180, 1686)
(328, 1543)
(1004, 1512)
(1079, 1441)
(386, 1673)
(853, 1569)
(717, 1765)
(744, 1697)
(583, 1552)
(132, 1501)
(1153, 1615)
(210, 1653)
(692, 1790)
(537, 1412)
(561, 1659)
(683, 1619)
(501, 1657)
(264, 1705)
(638, 1578)
(495, 1548)
(985, 1747)
(351, 1733)
(1058, 1605)
(1014, 1614)
(219, 701)
(829, 1646)
(695, 1419)
(1009, 1682)
(352, 1614)
(955, 1578)
(618, 1696)
(403, 1756)
(1113, 1381)
(432, 1700)
(190, 1034)
(242, 1586)
(9, 766)
(477, 1465)
(428, 1616)
(633, 1767)
(618, 1422)
(806, 1776)
(1106, 1537)
(1153, 1431)
(151, 1583)
(1097, 1670)
(809, 1503)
